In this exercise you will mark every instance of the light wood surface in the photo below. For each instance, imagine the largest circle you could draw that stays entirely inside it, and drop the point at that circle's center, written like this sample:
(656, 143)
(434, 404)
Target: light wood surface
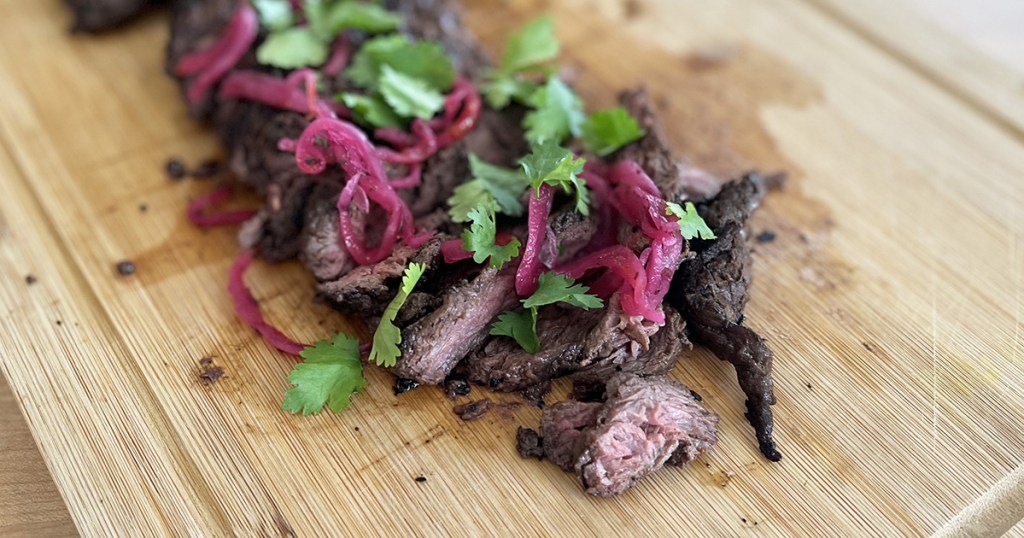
(893, 297)
(30, 504)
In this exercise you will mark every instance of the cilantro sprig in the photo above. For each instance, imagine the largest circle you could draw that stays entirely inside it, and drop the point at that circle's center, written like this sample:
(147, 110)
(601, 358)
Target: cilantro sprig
(492, 186)
(290, 45)
(557, 115)
(480, 239)
(606, 131)
(691, 224)
(551, 288)
(386, 338)
(329, 375)
(554, 165)
(402, 79)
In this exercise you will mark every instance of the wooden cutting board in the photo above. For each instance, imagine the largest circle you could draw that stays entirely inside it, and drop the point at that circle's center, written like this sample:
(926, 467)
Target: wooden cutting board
(892, 295)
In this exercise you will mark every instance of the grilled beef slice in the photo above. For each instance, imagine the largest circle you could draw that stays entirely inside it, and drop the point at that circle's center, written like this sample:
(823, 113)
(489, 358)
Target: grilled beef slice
(503, 365)
(366, 290)
(645, 423)
(100, 15)
(711, 291)
(562, 427)
(619, 343)
(433, 345)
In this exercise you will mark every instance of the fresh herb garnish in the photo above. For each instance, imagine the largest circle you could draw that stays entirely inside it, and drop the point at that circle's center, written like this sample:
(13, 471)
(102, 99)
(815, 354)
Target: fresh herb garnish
(606, 131)
(691, 225)
(291, 46)
(557, 115)
(492, 186)
(555, 288)
(527, 51)
(520, 325)
(423, 60)
(409, 97)
(479, 238)
(329, 375)
(386, 338)
(554, 165)
(275, 14)
(371, 110)
(551, 288)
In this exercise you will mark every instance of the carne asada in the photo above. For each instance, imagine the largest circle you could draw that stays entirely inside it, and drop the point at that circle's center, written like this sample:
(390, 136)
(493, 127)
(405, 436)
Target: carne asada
(474, 213)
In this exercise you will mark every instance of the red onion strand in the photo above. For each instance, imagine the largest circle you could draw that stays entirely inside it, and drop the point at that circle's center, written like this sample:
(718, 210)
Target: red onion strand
(249, 309)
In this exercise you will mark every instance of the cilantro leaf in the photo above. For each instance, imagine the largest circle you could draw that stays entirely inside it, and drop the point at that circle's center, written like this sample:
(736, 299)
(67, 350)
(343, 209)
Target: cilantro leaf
(292, 48)
(371, 110)
(493, 186)
(691, 225)
(556, 166)
(409, 97)
(553, 288)
(608, 130)
(274, 14)
(559, 113)
(519, 325)
(386, 338)
(423, 60)
(329, 375)
(533, 44)
(501, 88)
(479, 239)
(370, 18)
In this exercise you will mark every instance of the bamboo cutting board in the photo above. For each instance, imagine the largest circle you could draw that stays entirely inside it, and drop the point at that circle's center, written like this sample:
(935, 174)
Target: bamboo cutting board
(892, 296)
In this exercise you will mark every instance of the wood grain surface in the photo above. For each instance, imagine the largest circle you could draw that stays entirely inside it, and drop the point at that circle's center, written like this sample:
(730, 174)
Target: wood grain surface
(893, 298)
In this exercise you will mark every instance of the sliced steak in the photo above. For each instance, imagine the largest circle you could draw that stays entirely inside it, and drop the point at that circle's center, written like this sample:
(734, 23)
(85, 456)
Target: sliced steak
(322, 251)
(711, 291)
(562, 428)
(432, 346)
(621, 349)
(366, 290)
(100, 15)
(503, 365)
(645, 423)
(572, 230)
(676, 180)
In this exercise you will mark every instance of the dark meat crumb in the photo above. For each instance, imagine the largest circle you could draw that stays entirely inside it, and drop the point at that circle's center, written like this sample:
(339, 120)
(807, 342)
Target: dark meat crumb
(356, 428)
(59, 322)
(535, 395)
(476, 409)
(143, 208)
(30, 279)
(403, 385)
(743, 519)
(696, 395)
(175, 169)
(809, 387)
(125, 268)
(766, 236)
(421, 479)
(209, 373)
(529, 443)
(455, 387)
(208, 169)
